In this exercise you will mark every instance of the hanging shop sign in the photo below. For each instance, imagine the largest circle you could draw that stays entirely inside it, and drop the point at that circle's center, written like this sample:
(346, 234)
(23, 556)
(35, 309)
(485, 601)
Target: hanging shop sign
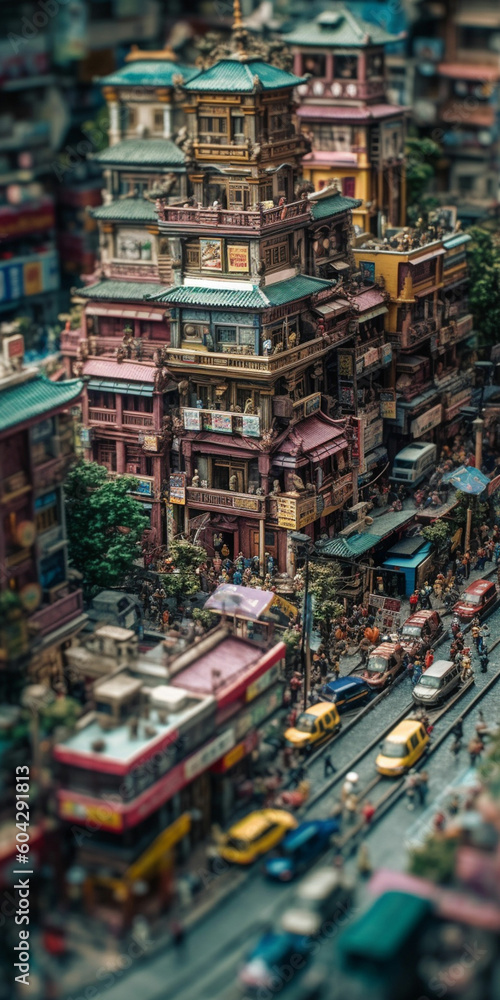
(388, 404)
(237, 259)
(426, 421)
(177, 488)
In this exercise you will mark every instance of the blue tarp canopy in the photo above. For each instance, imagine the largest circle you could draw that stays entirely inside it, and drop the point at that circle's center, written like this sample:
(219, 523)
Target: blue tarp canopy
(467, 479)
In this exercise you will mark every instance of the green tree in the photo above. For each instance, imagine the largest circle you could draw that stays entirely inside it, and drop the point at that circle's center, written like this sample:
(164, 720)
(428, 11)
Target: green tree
(105, 525)
(439, 534)
(207, 618)
(435, 860)
(459, 512)
(422, 156)
(484, 287)
(324, 583)
(187, 559)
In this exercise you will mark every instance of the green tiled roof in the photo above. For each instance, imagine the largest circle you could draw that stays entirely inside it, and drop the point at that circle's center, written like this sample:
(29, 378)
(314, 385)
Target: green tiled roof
(337, 203)
(121, 291)
(251, 298)
(338, 26)
(34, 397)
(148, 73)
(129, 209)
(233, 76)
(143, 153)
(345, 548)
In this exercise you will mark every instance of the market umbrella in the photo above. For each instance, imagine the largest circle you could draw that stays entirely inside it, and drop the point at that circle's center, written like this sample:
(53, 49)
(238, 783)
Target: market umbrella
(467, 479)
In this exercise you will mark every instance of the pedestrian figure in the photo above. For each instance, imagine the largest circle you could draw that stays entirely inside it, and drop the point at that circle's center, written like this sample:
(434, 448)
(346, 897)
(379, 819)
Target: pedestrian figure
(349, 785)
(458, 728)
(414, 599)
(466, 564)
(368, 812)
(475, 748)
(439, 822)
(454, 805)
(410, 790)
(363, 862)
(328, 766)
(351, 807)
(422, 786)
(178, 934)
(410, 667)
(429, 658)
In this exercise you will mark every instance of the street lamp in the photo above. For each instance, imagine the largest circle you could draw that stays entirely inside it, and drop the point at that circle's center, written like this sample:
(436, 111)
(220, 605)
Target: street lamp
(478, 428)
(304, 541)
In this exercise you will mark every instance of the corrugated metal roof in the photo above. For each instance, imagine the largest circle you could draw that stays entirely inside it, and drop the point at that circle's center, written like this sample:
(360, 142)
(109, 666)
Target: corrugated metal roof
(143, 152)
(231, 75)
(35, 396)
(252, 298)
(338, 26)
(121, 291)
(456, 240)
(130, 371)
(148, 73)
(334, 205)
(129, 209)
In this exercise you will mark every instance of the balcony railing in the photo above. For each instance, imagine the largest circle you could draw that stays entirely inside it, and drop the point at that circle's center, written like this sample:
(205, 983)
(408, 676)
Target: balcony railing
(108, 346)
(70, 341)
(221, 422)
(100, 415)
(342, 89)
(130, 418)
(144, 270)
(58, 614)
(134, 419)
(178, 358)
(256, 220)
(243, 502)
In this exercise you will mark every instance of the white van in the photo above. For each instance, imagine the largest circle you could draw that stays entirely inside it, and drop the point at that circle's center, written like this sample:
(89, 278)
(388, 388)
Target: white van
(413, 463)
(320, 896)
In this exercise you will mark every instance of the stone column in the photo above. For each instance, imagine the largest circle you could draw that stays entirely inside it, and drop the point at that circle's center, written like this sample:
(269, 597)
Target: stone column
(167, 121)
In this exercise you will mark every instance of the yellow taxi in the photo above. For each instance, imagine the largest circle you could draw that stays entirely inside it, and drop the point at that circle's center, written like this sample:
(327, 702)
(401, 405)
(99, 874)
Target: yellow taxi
(313, 726)
(256, 834)
(402, 748)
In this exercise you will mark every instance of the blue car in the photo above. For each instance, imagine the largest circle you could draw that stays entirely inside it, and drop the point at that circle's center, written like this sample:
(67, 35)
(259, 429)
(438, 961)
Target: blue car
(273, 949)
(300, 848)
(347, 693)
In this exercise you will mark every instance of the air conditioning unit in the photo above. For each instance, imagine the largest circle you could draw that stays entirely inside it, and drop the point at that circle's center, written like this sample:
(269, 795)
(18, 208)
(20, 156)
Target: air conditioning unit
(170, 699)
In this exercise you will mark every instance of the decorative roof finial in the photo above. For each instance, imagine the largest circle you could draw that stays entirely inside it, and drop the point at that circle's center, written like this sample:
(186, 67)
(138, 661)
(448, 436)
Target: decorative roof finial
(237, 18)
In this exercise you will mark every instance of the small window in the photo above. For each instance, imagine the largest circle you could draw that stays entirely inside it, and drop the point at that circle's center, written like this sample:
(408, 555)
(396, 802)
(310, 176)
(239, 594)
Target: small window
(414, 741)
(158, 119)
(131, 117)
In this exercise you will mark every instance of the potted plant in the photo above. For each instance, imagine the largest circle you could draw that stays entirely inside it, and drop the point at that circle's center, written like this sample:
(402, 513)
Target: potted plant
(146, 251)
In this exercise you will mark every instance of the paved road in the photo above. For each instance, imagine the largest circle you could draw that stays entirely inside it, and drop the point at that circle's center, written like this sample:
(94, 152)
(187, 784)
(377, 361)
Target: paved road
(206, 967)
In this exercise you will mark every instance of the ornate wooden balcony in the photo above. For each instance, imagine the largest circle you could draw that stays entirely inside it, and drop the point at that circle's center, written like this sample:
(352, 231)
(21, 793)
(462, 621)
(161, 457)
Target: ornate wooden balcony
(189, 360)
(232, 220)
(295, 510)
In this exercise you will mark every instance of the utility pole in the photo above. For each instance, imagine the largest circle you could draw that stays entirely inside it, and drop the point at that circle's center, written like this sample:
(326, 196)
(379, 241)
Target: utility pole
(303, 541)
(478, 427)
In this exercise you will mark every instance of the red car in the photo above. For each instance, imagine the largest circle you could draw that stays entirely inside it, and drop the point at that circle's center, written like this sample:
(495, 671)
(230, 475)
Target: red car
(477, 599)
(420, 631)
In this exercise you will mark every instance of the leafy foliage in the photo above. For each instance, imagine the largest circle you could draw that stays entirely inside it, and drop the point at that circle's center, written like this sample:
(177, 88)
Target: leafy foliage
(324, 582)
(484, 294)
(435, 860)
(439, 534)
(187, 559)
(105, 525)
(207, 618)
(421, 160)
(459, 512)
